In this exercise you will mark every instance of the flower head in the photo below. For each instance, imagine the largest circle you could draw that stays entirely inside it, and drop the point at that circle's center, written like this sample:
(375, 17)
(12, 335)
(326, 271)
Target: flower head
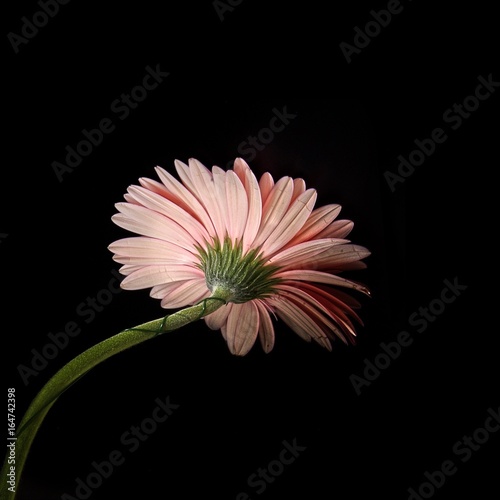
(259, 244)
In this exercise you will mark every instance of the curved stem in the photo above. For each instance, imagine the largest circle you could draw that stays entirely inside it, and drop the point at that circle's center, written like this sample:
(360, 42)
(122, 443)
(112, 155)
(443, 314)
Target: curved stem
(82, 364)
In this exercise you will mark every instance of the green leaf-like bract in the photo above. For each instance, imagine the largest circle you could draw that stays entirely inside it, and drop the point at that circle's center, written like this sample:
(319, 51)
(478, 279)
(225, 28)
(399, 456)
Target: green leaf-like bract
(246, 277)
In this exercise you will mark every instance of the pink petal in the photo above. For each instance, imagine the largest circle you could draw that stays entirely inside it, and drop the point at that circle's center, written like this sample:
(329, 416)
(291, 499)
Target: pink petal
(266, 185)
(242, 328)
(130, 199)
(159, 291)
(186, 294)
(203, 182)
(321, 277)
(338, 229)
(237, 206)
(291, 223)
(340, 309)
(182, 196)
(166, 207)
(319, 219)
(339, 302)
(240, 168)
(266, 328)
(299, 187)
(300, 322)
(347, 266)
(344, 297)
(254, 202)
(299, 255)
(159, 188)
(219, 184)
(184, 174)
(312, 306)
(217, 319)
(274, 209)
(140, 249)
(145, 222)
(127, 269)
(156, 275)
(337, 256)
(223, 330)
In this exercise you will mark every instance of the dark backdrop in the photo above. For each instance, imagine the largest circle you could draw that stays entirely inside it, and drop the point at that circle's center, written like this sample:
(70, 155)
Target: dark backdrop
(351, 121)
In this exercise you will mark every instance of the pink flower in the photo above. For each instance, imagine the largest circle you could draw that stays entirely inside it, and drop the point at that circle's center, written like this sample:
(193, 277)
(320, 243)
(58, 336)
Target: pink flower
(259, 242)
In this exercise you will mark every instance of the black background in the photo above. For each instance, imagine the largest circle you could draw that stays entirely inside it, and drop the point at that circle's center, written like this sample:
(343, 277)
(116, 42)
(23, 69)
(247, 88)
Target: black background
(352, 122)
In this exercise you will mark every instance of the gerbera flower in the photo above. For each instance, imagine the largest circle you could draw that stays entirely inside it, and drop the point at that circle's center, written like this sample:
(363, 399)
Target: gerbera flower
(258, 246)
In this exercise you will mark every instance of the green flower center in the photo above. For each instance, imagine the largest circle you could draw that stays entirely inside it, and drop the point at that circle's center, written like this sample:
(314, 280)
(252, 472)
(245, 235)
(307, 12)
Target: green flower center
(243, 277)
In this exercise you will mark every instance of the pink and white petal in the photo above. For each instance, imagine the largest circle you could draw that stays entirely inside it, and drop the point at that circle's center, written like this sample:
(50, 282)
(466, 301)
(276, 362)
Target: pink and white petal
(242, 327)
(291, 223)
(159, 188)
(203, 182)
(321, 277)
(266, 328)
(236, 207)
(156, 275)
(313, 308)
(159, 291)
(217, 319)
(219, 184)
(298, 255)
(125, 270)
(340, 313)
(140, 249)
(287, 314)
(337, 256)
(184, 173)
(186, 199)
(344, 297)
(319, 219)
(329, 298)
(348, 266)
(151, 261)
(254, 209)
(299, 187)
(186, 294)
(171, 210)
(301, 322)
(132, 268)
(338, 229)
(266, 185)
(130, 199)
(223, 331)
(343, 254)
(343, 321)
(274, 209)
(240, 168)
(145, 222)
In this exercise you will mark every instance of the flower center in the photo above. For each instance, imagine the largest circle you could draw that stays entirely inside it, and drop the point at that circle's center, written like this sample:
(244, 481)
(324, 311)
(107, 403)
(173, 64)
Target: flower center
(243, 277)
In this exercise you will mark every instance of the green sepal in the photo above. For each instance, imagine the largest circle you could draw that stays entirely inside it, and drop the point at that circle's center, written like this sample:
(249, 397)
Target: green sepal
(246, 277)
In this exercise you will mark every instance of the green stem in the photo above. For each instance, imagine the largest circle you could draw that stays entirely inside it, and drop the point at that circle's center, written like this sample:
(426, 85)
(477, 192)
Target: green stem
(82, 364)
